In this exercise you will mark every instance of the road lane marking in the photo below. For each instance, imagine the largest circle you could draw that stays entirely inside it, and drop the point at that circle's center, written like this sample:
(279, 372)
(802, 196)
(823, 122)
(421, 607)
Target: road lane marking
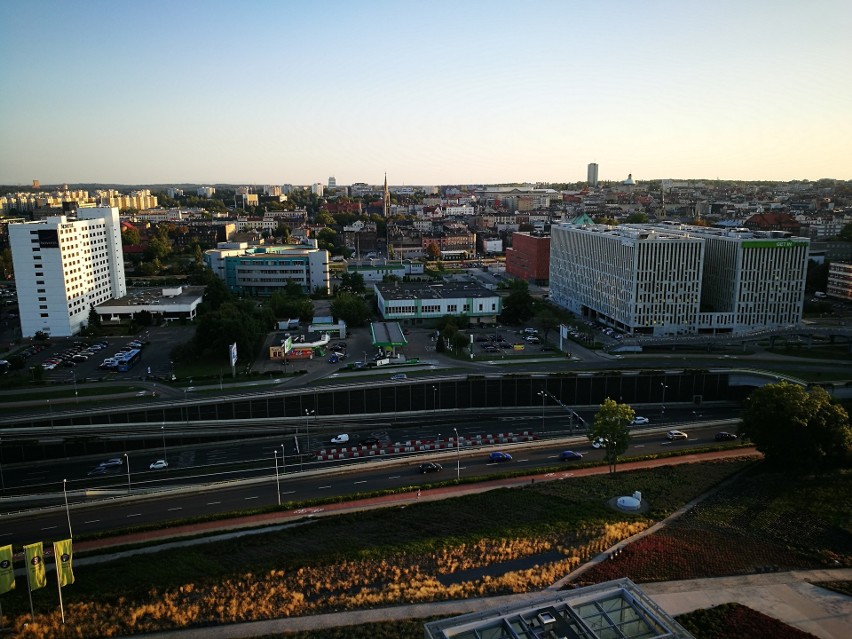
(92, 521)
(289, 492)
(213, 503)
(363, 481)
(50, 527)
(135, 515)
(394, 477)
(322, 487)
(252, 497)
(177, 508)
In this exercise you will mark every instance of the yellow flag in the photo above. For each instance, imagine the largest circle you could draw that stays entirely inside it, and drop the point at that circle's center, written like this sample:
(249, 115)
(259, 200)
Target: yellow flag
(35, 565)
(62, 554)
(7, 571)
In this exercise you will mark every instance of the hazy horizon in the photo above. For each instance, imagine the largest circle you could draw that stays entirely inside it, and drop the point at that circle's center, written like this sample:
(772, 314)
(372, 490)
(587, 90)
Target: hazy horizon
(475, 92)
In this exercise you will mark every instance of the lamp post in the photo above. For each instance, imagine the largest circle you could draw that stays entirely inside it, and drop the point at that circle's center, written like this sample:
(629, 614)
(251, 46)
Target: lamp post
(283, 463)
(543, 398)
(163, 433)
(663, 409)
(434, 397)
(308, 413)
(127, 459)
(458, 455)
(277, 482)
(76, 398)
(67, 512)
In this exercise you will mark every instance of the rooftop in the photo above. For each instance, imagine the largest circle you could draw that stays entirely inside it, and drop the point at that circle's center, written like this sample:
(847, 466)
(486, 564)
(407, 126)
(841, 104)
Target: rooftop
(446, 290)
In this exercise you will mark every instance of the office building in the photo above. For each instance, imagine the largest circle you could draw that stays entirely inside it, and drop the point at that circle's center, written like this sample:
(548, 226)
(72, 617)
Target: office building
(264, 270)
(666, 280)
(839, 281)
(64, 266)
(418, 303)
(592, 174)
(528, 258)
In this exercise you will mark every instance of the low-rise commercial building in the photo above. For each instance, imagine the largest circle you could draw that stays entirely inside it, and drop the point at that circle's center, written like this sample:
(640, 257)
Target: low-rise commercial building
(418, 303)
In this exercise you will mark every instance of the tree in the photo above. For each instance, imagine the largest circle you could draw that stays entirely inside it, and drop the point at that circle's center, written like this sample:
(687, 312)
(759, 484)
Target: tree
(797, 428)
(548, 322)
(517, 306)
(636, 218)
(351, 309)
(351, 283)
(130, 236)
(611, 425)
(432, 251)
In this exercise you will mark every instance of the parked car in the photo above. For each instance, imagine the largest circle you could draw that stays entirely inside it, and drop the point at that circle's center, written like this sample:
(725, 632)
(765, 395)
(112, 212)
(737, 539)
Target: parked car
(80, 358)
(342, 438)
(498, 456)
(115, 461)
(676, 434)
(333, 359)
(98, 470)
(724, 436)
(399, 376)
(160, 464)
(640, 421)
(569, 455)
(430, 467)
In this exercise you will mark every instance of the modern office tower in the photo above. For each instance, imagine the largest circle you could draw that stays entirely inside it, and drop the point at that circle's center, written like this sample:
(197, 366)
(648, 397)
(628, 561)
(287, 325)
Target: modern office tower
(674, 280)
(592, 174)
(64, 266)
(332, 182)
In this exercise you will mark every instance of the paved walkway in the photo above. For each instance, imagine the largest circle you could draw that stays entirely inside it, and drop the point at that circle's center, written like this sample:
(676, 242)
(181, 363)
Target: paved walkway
(788, 596)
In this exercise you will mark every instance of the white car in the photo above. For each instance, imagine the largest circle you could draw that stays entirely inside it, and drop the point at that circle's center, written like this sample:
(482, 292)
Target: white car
(640, 421)
(600, 442)
(676, 434)
(159, 464)
(115, 461)
(340, 439)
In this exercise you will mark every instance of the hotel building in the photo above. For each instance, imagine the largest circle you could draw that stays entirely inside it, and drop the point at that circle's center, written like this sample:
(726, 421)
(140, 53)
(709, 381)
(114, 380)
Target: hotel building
(64, 266)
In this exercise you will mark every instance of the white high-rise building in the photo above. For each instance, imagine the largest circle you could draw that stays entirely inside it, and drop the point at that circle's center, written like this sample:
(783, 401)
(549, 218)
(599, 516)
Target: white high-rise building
(64, 266)
(592, 174)
(675, 280)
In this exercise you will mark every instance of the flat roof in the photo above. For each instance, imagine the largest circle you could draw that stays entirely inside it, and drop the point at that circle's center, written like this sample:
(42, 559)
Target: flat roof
(154, 295)
(445, 290)
(387, 334)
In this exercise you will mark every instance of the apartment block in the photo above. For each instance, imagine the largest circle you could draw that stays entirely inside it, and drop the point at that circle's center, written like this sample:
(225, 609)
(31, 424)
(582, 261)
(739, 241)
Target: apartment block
(64, 266)
(839, 280)
(675, 280)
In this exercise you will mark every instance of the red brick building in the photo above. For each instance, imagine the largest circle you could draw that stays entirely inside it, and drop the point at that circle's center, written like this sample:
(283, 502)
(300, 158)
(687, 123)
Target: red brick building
(773, 222)
(528, 258)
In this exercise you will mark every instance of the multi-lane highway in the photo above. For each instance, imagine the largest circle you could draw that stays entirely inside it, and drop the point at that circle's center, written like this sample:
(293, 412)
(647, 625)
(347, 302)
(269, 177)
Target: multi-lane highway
(143, 508)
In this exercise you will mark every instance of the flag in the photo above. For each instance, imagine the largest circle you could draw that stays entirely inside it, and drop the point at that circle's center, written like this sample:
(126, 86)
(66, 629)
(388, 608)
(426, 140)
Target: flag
(62, 555)
(35, 566)
(7, 571)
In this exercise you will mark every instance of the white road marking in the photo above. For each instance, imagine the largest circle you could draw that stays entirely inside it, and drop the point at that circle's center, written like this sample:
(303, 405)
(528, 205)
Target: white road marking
(253, 497)
(176, 508)
(394, 477)
(363, 481)
(92, 521)
(213, 503)
(321, 487)
(288, 492)
(135, 515)
(49, 527)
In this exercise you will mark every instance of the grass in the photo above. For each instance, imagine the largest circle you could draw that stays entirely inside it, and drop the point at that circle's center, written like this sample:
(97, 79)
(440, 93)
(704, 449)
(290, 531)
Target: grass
(735, 620)
(368, 559)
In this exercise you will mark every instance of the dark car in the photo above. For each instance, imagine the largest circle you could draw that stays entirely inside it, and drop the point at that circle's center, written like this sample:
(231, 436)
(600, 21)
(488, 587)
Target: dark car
(498, 456)
(369, 441)
(724, 437)
(431, 467)
(569, 455)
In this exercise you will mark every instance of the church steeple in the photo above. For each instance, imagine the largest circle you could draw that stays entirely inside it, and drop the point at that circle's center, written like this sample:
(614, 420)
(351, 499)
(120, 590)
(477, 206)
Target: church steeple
(386, 198)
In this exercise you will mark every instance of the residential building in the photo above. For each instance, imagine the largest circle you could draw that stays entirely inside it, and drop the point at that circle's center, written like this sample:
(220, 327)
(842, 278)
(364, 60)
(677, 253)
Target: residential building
(592, 174)
(332, 182)
(419, 303)
(205, 191)
(272, 190)
(64, 266)
(264, 270)
(528, 258)
(317, 189)
(677, 279)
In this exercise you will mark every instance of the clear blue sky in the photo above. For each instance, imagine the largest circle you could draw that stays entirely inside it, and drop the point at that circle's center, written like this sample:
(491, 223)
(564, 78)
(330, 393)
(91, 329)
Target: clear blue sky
(437, 92)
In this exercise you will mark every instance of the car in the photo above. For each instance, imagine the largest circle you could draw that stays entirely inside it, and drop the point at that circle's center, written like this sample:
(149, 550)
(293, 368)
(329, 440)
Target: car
(48, 366)
(569, 455)
(498, 456)
(369, 441)
(640, 421)
(532, 339)
(80, 358)
(97, 470)
(724, 436)
(676, 434)
(430, 467)
(109, 463)
(399, 376)
(333, 359)
(160, 464)
(342, 438)
(531, 331)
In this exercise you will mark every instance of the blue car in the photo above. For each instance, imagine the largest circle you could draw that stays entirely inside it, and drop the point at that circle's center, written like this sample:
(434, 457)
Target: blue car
(497, 456)
(568, 455)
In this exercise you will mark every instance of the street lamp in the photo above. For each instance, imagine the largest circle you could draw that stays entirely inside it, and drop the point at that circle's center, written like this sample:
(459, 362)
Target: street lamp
(2, 481)
(663, 409)
(308, 413)
(277, 482)
(67, 512)
(283, 462)
(127, 459)
(434, 397)
(76, 399)
(458, 455)
(543, 398)
(163, 432)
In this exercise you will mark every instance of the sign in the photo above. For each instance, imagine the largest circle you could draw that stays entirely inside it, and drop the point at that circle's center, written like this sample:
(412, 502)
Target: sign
(771, 244)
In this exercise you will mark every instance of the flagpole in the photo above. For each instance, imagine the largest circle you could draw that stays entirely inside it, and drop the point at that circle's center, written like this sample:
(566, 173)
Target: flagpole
(29, 590)
(56, 560)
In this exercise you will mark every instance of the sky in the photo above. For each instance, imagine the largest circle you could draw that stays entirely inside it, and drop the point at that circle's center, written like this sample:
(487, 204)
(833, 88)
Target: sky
(437, 92)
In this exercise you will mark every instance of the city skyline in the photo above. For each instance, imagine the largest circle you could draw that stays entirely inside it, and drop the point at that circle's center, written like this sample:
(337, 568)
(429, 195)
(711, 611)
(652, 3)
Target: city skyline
(444, 93)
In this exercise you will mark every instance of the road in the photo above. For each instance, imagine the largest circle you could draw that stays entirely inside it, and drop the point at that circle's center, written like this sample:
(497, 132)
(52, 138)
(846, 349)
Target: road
(128, 508)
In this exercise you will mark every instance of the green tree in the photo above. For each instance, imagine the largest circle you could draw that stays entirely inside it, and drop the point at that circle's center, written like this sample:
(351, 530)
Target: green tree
(352, 283)
(130, 236)
(611, 425)
(636, 218)
(797, 428)
(432, 251)
(351, 309)
(517, 306)
(158, 248)
(548, 321)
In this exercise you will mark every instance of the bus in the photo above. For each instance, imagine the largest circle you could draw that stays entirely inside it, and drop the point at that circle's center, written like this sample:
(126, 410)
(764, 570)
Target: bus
(129, 360)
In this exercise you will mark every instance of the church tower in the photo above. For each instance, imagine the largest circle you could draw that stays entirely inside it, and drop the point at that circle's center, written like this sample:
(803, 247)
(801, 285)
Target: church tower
(386, 199)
